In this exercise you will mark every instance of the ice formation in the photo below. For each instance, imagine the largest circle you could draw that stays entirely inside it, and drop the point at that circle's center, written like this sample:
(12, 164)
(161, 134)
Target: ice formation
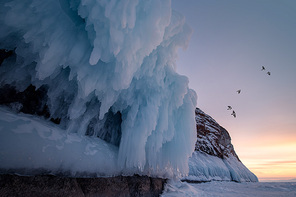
(102, 69)
(203, 167)
(30, 146)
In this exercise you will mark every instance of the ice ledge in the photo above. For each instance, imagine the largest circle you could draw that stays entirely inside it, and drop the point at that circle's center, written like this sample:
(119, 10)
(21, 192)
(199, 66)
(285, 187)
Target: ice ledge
(204, 167)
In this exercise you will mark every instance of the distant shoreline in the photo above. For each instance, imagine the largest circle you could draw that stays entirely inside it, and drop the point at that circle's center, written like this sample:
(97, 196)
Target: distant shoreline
(277, 180)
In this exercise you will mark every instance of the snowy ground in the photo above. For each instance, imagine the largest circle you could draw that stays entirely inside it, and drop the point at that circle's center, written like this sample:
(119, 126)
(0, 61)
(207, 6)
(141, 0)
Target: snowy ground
(231, 189)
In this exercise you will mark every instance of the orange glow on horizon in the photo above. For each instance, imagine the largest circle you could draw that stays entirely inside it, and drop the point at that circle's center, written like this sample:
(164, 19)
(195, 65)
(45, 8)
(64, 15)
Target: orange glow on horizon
(270, 157)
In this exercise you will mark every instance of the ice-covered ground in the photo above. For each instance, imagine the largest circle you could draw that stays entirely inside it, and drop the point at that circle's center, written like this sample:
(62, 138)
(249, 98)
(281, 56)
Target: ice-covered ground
(231, 189)
(30, 145)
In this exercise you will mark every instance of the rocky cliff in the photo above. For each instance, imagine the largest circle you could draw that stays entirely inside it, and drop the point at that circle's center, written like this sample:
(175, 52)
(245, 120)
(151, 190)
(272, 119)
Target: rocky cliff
(214, 157)
(212, 138)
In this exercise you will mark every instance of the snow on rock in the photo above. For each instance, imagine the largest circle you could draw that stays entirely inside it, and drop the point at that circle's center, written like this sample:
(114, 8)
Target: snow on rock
(102, 69)
(214, 157)
(211, 137)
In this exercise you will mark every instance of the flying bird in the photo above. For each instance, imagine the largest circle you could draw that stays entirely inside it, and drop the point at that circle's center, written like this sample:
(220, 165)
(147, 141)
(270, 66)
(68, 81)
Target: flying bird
(239, 91)
(233, 113)
(268, 73)
(263, 68)
(229, 108)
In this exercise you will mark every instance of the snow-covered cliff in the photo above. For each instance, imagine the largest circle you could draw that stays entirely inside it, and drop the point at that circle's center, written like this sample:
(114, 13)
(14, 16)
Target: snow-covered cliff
(214, 157)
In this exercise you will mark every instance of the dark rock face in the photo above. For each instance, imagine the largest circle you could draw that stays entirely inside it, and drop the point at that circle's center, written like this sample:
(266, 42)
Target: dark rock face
(30, 101)
(48, 185)
(110, 132)
(212, 139)
(5, 54)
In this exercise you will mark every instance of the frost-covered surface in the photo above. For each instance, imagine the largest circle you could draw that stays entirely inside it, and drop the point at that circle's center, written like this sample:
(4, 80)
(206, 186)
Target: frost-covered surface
(30, 146)
(238, 171)
(212, 138)
(230, 189)
(214, 157)
(204, 167)
(103, 69)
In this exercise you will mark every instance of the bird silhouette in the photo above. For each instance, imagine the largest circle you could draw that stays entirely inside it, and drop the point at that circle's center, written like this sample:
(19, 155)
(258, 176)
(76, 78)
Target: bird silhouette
(233, 113)
(239, 91)
(263, 68)
(268, 73)
(229, 108)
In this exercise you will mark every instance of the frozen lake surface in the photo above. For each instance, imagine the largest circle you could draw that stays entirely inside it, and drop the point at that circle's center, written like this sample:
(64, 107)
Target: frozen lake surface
(231, 189)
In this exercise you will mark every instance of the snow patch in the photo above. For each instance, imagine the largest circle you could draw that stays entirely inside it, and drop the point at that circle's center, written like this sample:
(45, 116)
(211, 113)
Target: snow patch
(230, 189)
(44, 147)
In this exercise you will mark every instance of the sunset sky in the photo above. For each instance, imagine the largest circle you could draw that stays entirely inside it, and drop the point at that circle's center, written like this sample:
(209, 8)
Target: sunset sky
(231, 41)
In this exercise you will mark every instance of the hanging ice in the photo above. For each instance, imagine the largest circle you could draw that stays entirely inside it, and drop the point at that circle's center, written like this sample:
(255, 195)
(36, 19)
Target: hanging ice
(104, 69)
